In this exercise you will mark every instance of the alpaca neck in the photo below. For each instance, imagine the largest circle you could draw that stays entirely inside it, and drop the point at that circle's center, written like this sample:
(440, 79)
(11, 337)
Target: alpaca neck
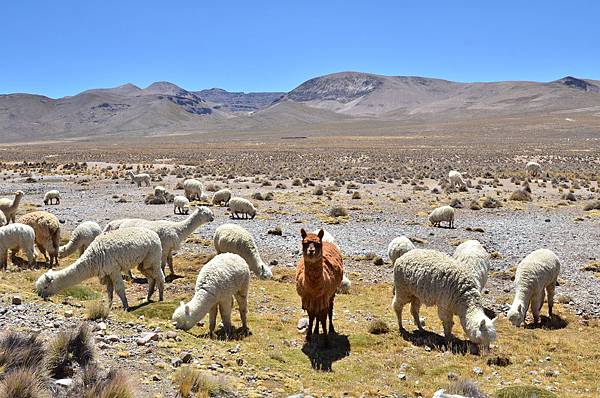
(201, 304)
(187, 226)
(75, 273)
(520, 298)
(313, 268)
(16, 202)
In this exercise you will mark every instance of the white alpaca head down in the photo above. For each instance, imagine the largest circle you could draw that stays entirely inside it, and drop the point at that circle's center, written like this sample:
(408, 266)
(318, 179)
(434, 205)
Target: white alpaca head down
(486, 332)
(516, 316)
(182, 317)
(45, 286)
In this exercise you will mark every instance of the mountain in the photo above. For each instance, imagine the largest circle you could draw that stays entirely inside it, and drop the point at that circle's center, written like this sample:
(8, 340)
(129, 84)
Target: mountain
(409, 98)
(238, 101)
(127, 108)
(339, 102)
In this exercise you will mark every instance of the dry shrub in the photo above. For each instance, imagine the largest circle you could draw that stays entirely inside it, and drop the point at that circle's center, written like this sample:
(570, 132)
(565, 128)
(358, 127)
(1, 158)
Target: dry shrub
(378, 326)
(257, 196)
(475, 205)
(20, 351)
(570, 197)
(23, 383)
(593, 205)
(152, 199)
(318, 191)
(338, 211)
(96, 310)
(297, 182)
(281, 185)
(69, 347)
(194, 383)
(490, 203)
(114, 385)
(269, 196)
(356, 195)
(465, 387)
(456, 203)
(520, 195)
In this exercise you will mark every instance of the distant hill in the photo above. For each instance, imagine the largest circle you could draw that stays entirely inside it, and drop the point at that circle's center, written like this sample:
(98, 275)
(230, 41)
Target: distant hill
(239, 102)
(331, 102)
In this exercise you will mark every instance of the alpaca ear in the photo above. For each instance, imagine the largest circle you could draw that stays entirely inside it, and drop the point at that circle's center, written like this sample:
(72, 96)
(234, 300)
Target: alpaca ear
(303, 233)
(321, 234)
(181, 304)
(187, 310)
(520, 308)
(482, 324)
(48, 278)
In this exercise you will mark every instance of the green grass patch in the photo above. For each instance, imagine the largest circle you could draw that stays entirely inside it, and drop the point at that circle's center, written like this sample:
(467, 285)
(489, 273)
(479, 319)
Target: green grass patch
(524, 392)
(81, 292)
(159, 310)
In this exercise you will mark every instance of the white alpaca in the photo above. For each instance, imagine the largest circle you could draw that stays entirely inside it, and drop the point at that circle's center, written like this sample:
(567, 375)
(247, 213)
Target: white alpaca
(159, 190)
(533, 169)
(456, 180)
(536, 274)
(241, 207)
(181, 205)
(221, 197)
(399, 246)
(476, 260)
(433, 278)
(139, 178)
(193, 188)
(231, 238)
(172, 233)
(9, 207)
(110, 255)
(225, 276)
(442, 214)
(52, 196)
(2, 219)
(14, 237)
(81, 238)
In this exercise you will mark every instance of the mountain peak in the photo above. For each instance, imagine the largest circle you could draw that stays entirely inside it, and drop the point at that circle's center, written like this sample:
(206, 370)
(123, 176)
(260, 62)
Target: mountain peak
(165, 88)
(579, 84)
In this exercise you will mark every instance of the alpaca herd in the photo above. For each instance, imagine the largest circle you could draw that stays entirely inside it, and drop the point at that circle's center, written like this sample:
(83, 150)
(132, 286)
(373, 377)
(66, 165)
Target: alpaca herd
(454, 284)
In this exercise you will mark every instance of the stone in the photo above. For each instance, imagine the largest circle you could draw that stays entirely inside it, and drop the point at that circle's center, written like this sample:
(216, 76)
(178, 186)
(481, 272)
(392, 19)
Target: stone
(64, 382)
(377, 260)
(186, 357)
(402, 376)
(145, 338)
(171, 335)
(176, 362)
(16, 300)
(302, 324)
(101, 326)
(69, 314)
(478, 371)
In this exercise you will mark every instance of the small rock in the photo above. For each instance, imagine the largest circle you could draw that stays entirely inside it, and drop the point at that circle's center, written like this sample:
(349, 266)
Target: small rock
(186, 357)
(377, 260)
(156, 378)
(302, 324)
(64, 382)
(273, 263)
(402, 376)
(239, 361)
(16, 300)
(478, 371)
(145, 338)
(552, 373)
(215, 366)
(69, 314)
(176, 362)
(171, 335)
(234, 350)
(101, 326)
(113, 338)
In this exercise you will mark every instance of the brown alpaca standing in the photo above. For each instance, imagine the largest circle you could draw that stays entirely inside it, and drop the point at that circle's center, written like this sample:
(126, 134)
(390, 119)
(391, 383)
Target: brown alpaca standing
(318, 276)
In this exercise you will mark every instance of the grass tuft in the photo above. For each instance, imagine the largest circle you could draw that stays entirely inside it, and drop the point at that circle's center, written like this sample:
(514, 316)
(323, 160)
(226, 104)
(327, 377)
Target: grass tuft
(23, 383)
(378, 326)
(17, 350)
(524, 392)
(96, 310)
(194, 383)
(81, 292)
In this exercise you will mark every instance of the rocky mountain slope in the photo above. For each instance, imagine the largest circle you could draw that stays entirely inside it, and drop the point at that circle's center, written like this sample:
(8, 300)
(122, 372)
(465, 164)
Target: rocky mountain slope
(319, 103)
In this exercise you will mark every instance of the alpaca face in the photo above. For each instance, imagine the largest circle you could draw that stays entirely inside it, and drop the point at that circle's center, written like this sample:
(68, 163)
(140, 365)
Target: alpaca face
(204, 214)
(182, 317)
(516, 316)
(486, 333)
(312, 245)
(45, 286)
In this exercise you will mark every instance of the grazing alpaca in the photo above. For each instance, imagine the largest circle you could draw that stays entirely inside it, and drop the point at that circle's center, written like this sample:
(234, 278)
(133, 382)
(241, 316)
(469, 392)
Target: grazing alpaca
(318, 276)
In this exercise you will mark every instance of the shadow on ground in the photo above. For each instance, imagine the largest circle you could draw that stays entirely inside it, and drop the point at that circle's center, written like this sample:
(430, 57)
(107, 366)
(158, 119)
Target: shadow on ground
(424, 338)
(323, 356)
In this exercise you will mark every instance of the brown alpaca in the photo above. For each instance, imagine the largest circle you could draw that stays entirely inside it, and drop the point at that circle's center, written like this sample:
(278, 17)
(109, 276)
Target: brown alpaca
(318, 276)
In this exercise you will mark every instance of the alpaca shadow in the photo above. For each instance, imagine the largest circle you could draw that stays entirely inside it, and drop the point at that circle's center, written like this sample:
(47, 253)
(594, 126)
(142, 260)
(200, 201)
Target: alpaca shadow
(170, 278)
(490, 313)
(220, 334)
(322, 357)
(24, 264)
(139, 280)
(550, 323)
(424, 338)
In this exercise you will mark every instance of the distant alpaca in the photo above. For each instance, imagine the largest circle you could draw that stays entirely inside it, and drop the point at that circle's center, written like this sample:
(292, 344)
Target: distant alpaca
(9, 207)
(318, 276)
(139, 178)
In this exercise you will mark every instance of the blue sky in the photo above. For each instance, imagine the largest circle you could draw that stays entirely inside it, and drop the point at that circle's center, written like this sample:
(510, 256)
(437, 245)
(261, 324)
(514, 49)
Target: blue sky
(59, 48)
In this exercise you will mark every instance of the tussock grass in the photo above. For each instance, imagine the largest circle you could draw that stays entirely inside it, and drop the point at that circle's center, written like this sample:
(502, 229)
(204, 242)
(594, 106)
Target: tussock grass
(81, 292)
(20, 351)
(23, 383)
(96, 310)
(191, 382)
(524, 392)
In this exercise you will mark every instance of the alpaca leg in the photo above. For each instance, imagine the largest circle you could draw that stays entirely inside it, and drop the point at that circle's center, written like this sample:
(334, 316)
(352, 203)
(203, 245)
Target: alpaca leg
(30, 256)
(330, 314)
(170, 263)
(309, 331)
(117, 281)
(212, 320)
(242, 300)
(398, 305)
(42, 251)
(151, 287)
(225, 310)
(323, 317)
(550, 292)
(415, 306)
(109, 291)
(3, 259)
(447, 321)
(536, 305)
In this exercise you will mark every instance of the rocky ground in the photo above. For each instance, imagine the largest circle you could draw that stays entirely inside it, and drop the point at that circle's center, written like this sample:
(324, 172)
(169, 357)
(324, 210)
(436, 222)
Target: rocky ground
(383, 211)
